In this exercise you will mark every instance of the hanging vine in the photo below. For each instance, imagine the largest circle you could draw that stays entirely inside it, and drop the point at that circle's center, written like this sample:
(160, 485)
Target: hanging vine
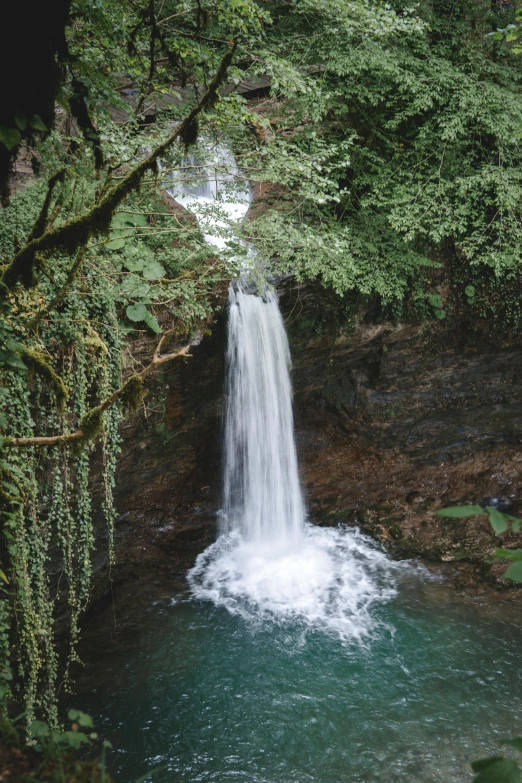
(62, 396)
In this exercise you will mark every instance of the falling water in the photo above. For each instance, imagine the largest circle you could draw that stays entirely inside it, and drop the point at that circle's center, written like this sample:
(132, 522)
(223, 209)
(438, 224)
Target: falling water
(269, 563)
(262, 496)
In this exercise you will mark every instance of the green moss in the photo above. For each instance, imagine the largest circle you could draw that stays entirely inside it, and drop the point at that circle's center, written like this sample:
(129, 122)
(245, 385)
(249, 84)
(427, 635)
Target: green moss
(38, 363)
(90, 425)
(133, 393)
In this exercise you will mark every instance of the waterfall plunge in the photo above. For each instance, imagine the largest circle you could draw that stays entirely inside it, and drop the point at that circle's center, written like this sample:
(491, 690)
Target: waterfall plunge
(269, 563)
(262, 496)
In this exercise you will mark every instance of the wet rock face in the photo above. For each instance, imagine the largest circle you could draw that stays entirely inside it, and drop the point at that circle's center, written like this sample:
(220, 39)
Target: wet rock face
(169, 473)
(391, 424)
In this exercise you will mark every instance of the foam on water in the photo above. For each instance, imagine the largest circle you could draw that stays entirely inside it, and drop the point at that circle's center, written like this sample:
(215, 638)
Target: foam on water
(329, 580)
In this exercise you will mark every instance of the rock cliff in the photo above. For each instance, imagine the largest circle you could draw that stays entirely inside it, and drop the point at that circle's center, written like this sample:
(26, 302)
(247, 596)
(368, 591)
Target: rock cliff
(392, 422)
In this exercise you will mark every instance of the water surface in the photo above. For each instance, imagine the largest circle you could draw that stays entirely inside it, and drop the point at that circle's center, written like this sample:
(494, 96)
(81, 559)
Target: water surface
(214, 696)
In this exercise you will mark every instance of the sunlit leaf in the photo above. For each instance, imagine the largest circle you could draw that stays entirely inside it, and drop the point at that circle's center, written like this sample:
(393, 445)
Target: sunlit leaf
(514, 572)
(115, 244)
(508, 554)
(152, 323)
(153, 270)
(459, 511)
(136, 312)
(497, 520)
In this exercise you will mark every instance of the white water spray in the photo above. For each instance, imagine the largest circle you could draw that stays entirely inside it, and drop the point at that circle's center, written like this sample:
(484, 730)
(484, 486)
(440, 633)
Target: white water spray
(268, 562)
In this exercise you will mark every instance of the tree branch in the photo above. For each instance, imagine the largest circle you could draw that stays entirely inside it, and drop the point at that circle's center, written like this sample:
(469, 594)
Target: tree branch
(130, 393)
(77, 232)
(39, 226)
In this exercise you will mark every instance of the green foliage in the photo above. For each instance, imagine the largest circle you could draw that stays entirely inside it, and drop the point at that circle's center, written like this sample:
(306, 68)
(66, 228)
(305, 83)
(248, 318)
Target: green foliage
(54, 376)
(397, 152)
(459, 511)
(51, 754)
(511, 32)
(133, 393)
(496, 770)
(500, 522)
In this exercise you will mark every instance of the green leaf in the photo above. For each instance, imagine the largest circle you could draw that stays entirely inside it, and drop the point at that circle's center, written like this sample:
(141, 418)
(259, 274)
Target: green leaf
(137, 312)
(514, 572)
(137, 220)
(478, 766)
(75, 739)
(440, 314)
(37, 123)
(508, 554)
(133, 264)
(119, 220)
(115, 244)
(16, 361)
(10, 137)
(516, 742)
(85, 720)
(498, 522)
(435, 300)
(152, 323)
(122, 219)
(515, 522)
(134, 287)
(11, 488)
(153, 270)
(20, 121)
(501, 770)
(470, 290)
(39, 728)
(3, 577)
(459, 511)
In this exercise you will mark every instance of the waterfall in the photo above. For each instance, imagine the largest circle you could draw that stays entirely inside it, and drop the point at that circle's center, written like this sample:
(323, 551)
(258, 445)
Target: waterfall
(269, 562)
(262, 496)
